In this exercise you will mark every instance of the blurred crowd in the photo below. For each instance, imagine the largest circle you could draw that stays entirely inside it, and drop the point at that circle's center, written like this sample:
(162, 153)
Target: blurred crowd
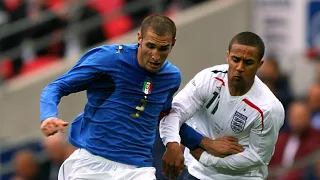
(34, 33)
(28, 166)
(298, 141)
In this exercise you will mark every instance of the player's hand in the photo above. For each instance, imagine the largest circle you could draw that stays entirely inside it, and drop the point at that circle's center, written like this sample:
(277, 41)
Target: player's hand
(197, 153)
(50, 126)
(221, 147)
(172, 161)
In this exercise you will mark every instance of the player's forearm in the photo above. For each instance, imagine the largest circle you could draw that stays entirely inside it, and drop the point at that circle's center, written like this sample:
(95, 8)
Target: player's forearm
(169, 129)
(237, 162)
(184, 106)
(50, 98)
(190, 137)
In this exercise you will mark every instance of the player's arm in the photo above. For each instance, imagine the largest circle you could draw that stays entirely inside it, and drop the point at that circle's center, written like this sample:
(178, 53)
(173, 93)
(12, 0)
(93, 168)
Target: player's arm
(185, 104)
(189, 137)
(261, 145)
(89, 67)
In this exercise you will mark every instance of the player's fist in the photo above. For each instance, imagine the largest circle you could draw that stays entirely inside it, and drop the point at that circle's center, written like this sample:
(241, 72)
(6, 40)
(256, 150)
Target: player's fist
(50, 126)
(221, 147)
(172, 161)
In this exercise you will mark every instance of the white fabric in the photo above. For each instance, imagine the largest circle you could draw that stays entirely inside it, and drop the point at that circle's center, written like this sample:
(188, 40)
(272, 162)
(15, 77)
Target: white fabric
(237, 116)
(82, 165)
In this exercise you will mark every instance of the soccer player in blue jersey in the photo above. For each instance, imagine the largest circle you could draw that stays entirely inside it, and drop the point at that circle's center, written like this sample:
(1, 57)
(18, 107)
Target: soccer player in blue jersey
(128, 87)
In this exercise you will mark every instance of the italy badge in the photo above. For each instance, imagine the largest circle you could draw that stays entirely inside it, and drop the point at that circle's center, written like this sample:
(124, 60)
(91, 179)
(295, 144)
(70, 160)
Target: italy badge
(147, 87)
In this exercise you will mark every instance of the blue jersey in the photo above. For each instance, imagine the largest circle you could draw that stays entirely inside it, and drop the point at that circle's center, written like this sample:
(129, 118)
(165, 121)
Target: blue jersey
(124, 101)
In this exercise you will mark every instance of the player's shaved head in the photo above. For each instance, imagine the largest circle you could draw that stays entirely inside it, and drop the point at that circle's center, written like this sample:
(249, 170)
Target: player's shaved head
(158, 24)
(249, 39)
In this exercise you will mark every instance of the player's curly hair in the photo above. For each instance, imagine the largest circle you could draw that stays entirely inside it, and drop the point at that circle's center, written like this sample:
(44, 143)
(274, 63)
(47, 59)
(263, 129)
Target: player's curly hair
(249, 39)
(160, 25)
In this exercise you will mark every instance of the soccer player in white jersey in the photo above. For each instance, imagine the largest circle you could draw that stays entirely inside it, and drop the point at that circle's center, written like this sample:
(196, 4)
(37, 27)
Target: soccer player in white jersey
(226, 101)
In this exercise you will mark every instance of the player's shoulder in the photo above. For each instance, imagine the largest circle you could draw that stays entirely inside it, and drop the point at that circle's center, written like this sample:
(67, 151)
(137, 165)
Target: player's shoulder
(168, 67)
(110, 52)
(171, 72)
(272, 110)
(215, 70)
(113, 49)
(222, 68)
(264, 98)
(207, 74)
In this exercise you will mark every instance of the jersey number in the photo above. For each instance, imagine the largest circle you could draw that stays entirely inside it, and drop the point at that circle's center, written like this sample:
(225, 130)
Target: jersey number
(139, 108)
(215, 95)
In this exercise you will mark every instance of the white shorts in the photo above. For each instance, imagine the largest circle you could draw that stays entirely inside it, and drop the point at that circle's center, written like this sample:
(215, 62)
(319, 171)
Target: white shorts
(82, 165)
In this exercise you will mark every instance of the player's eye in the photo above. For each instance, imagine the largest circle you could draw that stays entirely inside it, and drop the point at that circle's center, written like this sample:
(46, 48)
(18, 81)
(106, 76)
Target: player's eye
(150, 46)
(235, 59)
(249, 62)
(164, 48)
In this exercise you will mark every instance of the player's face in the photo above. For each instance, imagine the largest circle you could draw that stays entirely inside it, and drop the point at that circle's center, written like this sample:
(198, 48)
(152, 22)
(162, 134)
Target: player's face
(153, 50)
(243, 65)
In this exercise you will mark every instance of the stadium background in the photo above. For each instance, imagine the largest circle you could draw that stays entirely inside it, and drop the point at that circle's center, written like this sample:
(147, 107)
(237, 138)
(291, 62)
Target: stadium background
(290, 29)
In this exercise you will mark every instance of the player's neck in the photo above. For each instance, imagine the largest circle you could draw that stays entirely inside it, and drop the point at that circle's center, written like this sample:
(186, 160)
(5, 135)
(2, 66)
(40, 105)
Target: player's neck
(139, 57)
(237, 90)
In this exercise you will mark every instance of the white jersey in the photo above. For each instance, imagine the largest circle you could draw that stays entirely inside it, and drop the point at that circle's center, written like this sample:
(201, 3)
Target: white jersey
(254, 118)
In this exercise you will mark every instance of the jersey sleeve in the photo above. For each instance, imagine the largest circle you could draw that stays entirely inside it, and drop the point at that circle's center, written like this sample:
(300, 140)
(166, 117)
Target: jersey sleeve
(185, 104)
(91, 66)
(261, 145)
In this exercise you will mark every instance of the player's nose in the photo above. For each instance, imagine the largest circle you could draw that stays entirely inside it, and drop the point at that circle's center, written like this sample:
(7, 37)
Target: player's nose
(155, 55)
(240, 67)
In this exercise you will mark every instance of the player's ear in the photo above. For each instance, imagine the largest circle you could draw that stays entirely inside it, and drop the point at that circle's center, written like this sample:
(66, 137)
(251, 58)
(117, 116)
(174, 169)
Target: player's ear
(261, 63)
(139, 37)
(228, 54)
(174, 42)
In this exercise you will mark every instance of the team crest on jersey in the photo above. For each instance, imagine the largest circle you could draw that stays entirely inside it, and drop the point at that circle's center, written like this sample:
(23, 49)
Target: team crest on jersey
(238, 122)
(147, 87)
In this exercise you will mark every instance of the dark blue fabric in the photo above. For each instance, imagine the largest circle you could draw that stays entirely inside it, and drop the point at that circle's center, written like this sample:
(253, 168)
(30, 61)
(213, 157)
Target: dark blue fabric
(190, 137)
